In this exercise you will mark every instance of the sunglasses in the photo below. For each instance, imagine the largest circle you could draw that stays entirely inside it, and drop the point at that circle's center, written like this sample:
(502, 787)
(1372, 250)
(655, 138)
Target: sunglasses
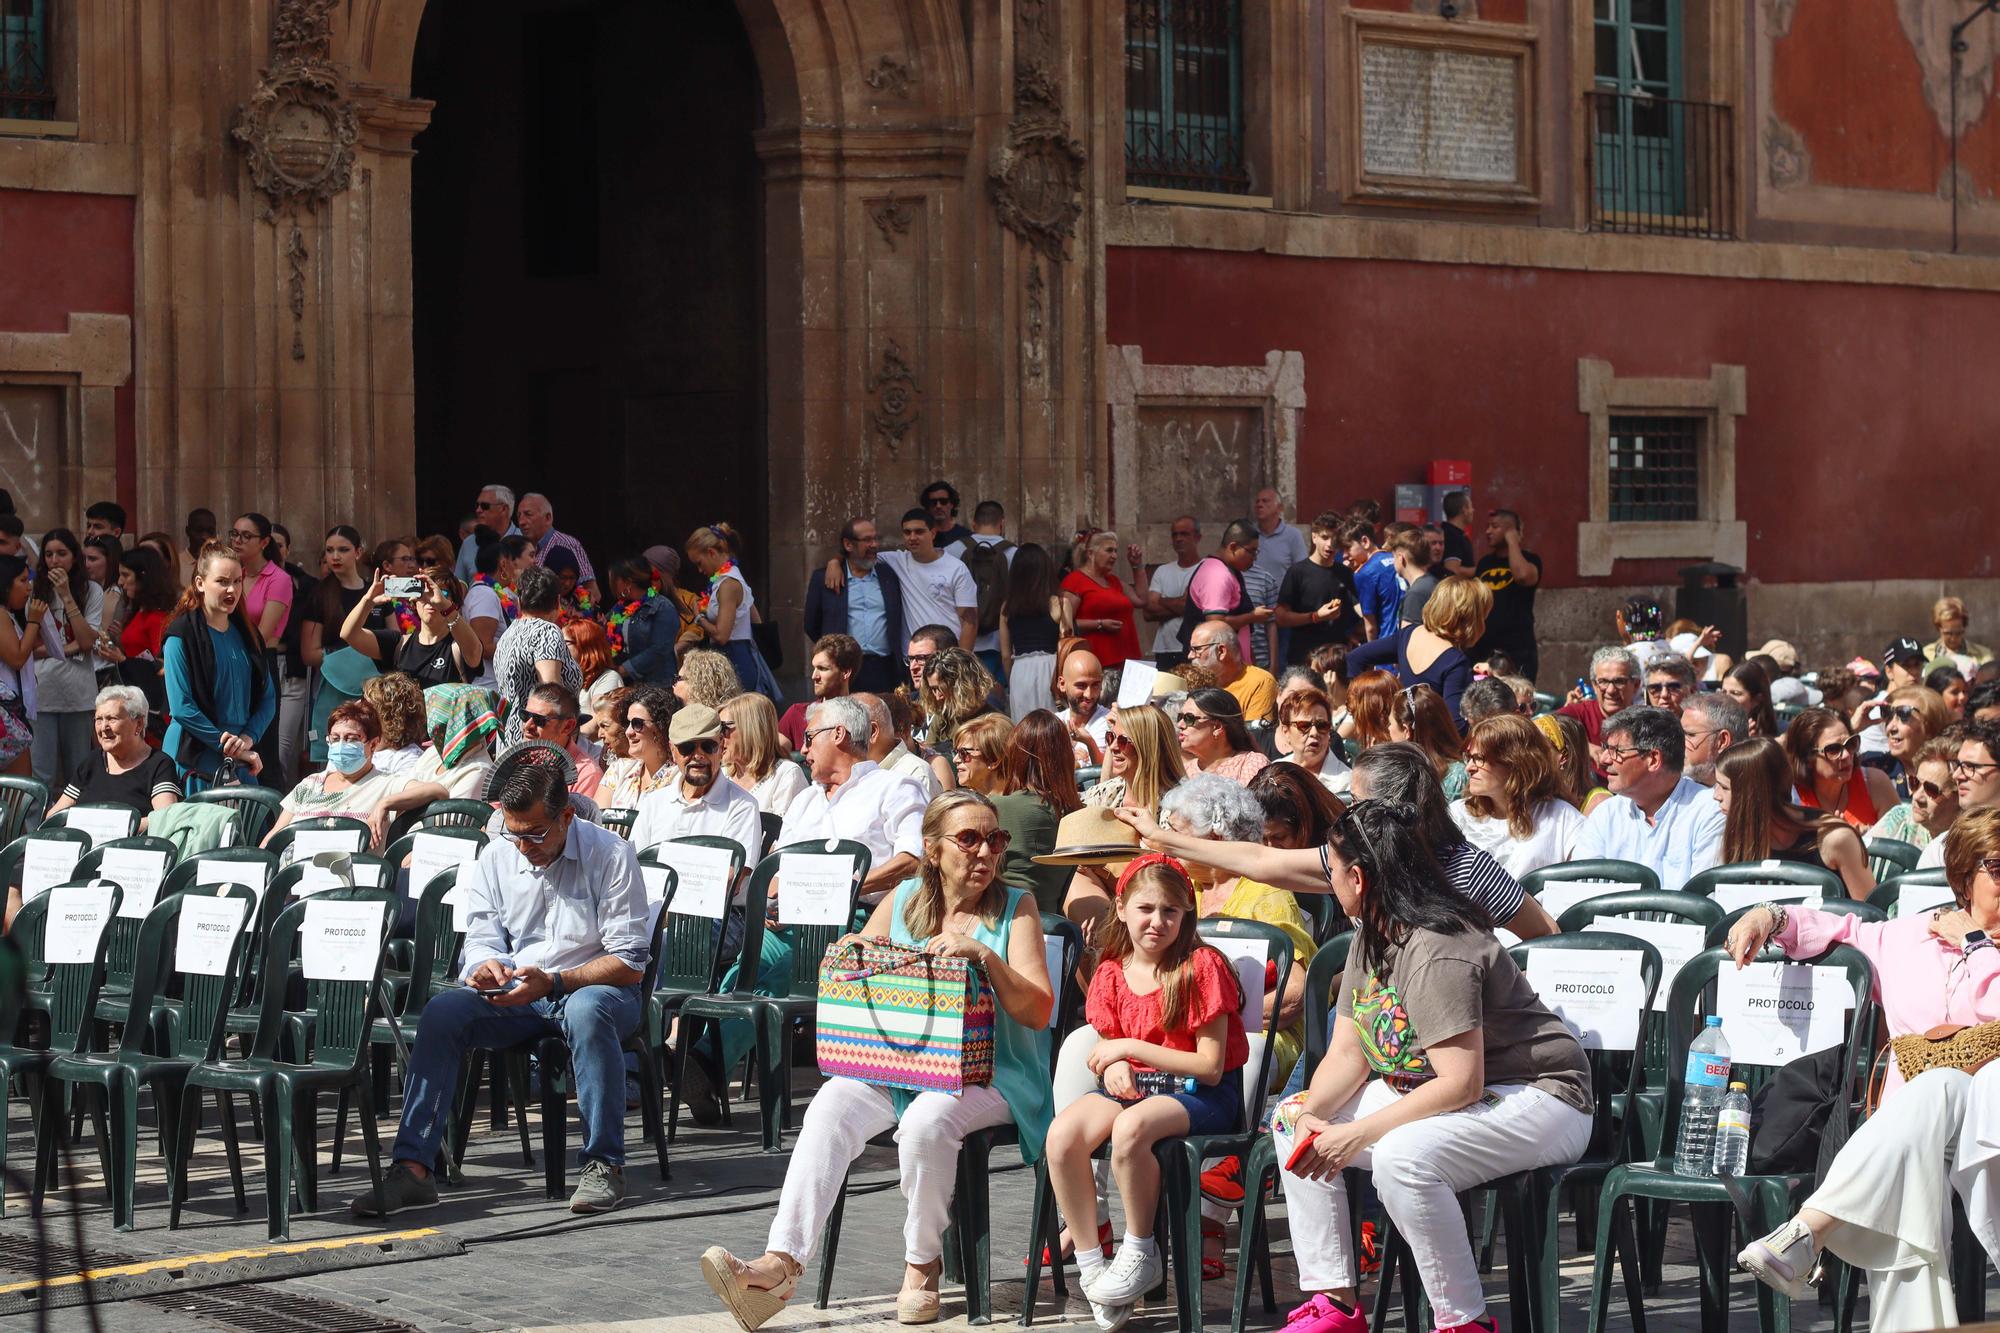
(637, 723)
(1192, 720)
(728, 730)
(1118, 741)
(1852, 745)
(706, 745)
(807, 738)
(1320, 728)
(1903, 712)
(540, 720)
(1665, 687)
(1933, 790)
(965, 754)
(969, 841)
(1991, 866)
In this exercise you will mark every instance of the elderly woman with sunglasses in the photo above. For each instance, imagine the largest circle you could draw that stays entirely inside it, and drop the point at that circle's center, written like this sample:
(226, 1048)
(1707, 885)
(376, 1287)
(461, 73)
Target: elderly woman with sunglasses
(955, 907)
(1933, 802)
(1975, 772)
(1305, 738)
(1883, 1202)
(1823, 751)
(1908, 718)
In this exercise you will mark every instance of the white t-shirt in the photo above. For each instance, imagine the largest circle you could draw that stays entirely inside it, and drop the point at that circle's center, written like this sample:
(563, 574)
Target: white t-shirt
(934, 593)
(987, 642)
(482, 602)
(1171, 581)
(1556, 825)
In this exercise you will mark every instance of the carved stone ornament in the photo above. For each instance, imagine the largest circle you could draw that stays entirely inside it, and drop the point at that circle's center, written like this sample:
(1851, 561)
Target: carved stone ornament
(1037, 187)
(896, 393)
(1033, 345)
(892, 217)
(890, 76)
(1788, 160)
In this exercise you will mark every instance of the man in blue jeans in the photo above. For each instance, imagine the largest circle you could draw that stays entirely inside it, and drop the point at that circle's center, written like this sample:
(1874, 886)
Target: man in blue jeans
(556, 943)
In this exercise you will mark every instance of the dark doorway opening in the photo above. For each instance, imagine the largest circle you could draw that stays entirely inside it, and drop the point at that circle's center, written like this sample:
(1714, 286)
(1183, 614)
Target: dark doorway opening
(588, 272)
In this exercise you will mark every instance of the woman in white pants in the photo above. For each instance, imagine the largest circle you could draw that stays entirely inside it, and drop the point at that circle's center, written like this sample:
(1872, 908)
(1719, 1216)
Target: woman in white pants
(1884, 1204)
(1445, 1072)
(959, 908)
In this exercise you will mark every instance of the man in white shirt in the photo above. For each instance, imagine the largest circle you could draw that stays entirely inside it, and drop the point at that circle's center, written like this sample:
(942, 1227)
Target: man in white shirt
(703, 801)
(495, 511)
(1080, 682)
(851, 797)
(558, 933)
(1166, 598)
(887, 751)
(1656, 815)
(937, 587)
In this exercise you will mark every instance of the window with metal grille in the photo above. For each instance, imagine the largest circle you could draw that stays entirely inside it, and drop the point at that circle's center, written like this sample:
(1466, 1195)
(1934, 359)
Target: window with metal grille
(1184, 95)
(27, 92)
(1655, 469)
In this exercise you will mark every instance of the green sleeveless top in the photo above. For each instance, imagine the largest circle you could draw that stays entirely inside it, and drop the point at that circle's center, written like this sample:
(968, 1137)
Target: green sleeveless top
(1020, 1057)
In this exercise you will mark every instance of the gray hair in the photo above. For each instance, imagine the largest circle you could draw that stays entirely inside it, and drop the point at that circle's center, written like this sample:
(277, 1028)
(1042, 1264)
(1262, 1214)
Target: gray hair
(1672, 664)
(879, 716)
(1611, 653)
(1719, 711)
(846, 714)
(1487, 698)
(546, 504)
(130, 697)
(504, 493)
(1215, 807)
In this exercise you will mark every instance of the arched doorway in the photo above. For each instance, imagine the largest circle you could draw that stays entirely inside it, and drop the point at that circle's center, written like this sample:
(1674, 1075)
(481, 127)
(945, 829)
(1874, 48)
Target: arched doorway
(588, 251)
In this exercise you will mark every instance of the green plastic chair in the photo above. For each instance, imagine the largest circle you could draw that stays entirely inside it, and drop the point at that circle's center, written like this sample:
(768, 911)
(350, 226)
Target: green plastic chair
(253, 868)
(60, 819)
(69, 998)
(1889, 857)
(288, 1091)
(1796, 881)
(773, 826)
(399, 850)
(1322, 910)
(139, 1060)
(29, 936)
(1606, 871)
(282, 843)
(121, 957)
(968, 1248)
(1759, 1202)
(440, 815)
(773, 1018)
(257, 808)
(690, 958)
(619, 821)
(1888, 895)
(22, 801)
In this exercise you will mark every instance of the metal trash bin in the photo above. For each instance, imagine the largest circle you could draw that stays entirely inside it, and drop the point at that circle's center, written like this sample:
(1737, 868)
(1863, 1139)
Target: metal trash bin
(1712, 594)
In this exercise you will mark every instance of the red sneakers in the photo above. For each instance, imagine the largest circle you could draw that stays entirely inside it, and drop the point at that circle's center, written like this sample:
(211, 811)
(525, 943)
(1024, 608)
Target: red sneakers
(1223, 1183)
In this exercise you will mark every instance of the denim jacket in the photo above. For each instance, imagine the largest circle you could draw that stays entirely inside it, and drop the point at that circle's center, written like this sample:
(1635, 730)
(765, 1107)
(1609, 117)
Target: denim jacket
(649, 643)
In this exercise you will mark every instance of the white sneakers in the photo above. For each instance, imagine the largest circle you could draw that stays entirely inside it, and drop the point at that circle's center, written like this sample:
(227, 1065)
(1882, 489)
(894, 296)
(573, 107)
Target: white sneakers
(1110, 1318)
(1787, 1260)
(1130, 1275)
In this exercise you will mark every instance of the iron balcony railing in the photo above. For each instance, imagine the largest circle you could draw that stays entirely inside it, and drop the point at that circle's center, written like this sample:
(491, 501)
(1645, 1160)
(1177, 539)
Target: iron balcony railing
(1184, 95)
(27, 92)
(1660, 166)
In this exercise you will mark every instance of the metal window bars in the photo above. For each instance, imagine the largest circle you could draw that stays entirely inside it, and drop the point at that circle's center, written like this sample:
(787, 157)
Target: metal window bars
(27, 89)
(1661, 166)
(1184, 95)
(1655, 469)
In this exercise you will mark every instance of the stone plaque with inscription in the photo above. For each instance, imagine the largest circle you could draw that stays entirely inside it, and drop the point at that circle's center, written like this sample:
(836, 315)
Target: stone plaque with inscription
(1440, 113)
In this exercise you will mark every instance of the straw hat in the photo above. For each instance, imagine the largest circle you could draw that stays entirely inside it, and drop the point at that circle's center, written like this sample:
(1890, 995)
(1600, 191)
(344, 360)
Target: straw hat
(1091, 836)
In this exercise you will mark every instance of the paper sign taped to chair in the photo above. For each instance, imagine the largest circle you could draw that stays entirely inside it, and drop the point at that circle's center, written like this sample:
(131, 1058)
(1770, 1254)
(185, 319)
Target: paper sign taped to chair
(139, 872)
(1729, 897)
(1052, 954)
(1559, 897)
(255, 874)
(433, 853)
(814, 889)
(45, 863)
(77, 917)
(310, 842)
(207, 932)
(339, 941)
(655, 878)
(1135, 682)
(1249, 958)
(1599, 995)
(1773, 1013)
(1916, 898)
(704, 877)
(102, 825)
(1677, 942)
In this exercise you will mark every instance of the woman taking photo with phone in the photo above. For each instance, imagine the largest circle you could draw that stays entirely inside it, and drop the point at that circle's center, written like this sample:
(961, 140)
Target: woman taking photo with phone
(441, 650)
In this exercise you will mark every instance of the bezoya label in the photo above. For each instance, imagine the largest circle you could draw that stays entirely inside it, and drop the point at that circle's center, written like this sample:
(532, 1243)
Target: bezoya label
(1707, 1069)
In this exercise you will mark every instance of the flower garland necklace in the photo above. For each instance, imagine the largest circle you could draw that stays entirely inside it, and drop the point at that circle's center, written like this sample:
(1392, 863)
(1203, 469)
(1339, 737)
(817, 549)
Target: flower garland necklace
(714, 582)
(509, 607)
(614, 623)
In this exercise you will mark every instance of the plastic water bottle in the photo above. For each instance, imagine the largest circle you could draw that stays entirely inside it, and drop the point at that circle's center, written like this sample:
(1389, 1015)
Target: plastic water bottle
(1732, 1132)
(1707, 1083)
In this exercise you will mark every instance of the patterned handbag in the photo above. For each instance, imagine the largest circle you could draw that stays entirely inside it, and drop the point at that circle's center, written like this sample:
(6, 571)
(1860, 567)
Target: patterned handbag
(902, 1018)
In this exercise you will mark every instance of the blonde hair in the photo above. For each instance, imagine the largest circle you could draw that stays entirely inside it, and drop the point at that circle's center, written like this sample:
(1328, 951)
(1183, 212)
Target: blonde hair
(1947, 608)
(755, 722)
(1975, 837)
(714, 535)
(988, 734)
(1457, 611)
(710, 678)
(1157, 766)
(924, 912)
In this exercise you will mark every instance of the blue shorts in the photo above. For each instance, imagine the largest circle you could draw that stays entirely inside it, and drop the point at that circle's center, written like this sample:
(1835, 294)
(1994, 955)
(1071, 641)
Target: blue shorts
(1210, 1110)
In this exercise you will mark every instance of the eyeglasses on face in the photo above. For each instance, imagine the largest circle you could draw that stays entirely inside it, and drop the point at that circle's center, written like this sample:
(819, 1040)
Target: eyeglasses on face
(637, 723)
(1903, 712)
(1969, 766)
(965, 754)
(970, 841)
(1931, 789)
(921, 661)
(1188, 721)
(706, 745)
(1832, 752)
(1317, 726)
(532, 839)
(245, 535)
(1618, 754)
(1990, 866)
(1614, 682)
(1478, 759)
(1665, 687)
(816, 731)
(728, 728)
(538, 720)
(1204, 649)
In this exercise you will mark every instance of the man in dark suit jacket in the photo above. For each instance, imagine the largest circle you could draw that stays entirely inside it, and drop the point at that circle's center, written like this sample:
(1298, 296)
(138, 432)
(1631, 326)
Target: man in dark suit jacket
(868, 606)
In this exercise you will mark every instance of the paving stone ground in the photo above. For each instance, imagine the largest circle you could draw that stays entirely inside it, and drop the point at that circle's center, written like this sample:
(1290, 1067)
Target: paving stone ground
(530, 1264)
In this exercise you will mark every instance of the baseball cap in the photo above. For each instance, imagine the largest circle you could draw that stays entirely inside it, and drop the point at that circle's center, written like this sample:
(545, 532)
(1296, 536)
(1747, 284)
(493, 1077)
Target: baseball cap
(1904, 649)
(1781, 652)
(1861, 666)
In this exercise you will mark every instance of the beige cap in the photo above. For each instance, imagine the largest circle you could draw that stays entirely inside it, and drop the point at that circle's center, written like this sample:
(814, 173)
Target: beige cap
(1786, 656)
(695, 722)
(1167, 683)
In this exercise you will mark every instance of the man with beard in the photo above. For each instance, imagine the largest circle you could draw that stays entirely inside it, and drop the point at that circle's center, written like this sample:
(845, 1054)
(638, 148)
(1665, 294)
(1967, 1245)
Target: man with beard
(703, 800)
(1080, 682)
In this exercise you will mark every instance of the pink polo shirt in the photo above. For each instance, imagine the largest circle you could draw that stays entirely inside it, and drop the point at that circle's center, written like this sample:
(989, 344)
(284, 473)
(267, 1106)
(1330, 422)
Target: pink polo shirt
(274, 582)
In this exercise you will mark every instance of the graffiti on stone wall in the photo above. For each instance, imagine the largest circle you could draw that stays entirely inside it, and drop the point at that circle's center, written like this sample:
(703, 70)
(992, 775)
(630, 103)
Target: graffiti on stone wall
(30, 445)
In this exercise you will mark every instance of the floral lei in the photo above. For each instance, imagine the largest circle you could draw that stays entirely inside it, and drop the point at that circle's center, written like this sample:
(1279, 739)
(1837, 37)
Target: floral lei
(614, 623)
(509, 608)
(714, 582)
(403, 617)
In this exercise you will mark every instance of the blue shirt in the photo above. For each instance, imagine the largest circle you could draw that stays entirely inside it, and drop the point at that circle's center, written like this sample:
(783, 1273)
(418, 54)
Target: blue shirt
(1380, 591)
(588, 902)
(868, 613)
(1683, 839)
(230, 691)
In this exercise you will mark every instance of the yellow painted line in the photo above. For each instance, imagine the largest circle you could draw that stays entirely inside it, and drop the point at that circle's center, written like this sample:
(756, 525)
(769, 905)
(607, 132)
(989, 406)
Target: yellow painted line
(214, 1257)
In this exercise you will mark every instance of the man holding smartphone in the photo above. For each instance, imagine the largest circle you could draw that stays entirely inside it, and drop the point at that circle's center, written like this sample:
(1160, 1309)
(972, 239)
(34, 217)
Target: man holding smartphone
(557, 938)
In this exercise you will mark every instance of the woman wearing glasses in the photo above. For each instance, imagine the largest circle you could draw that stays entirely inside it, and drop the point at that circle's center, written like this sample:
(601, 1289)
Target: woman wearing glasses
(1823, 751)
(1214, 738)
(958, 907)
(1515, 807)
(1933, 802)
(1909, 717)
(1975, 772)
(1142, 760)
(1883, 1203)
(648, 709)
(1305, 738)
(1753, 785)
(753, 754)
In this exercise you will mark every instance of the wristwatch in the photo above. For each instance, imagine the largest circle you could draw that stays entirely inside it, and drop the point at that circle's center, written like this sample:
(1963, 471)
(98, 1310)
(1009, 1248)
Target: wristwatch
(1975, 939)
(556, 985)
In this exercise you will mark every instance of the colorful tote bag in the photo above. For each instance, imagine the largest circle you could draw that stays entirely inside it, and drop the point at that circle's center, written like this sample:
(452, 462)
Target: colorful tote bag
(902, 1018)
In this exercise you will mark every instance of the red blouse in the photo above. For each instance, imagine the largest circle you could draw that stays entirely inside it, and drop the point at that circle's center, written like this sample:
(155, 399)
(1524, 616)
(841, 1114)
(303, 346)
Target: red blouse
(1860, 811)
(1098, 602)
(1115, 1011)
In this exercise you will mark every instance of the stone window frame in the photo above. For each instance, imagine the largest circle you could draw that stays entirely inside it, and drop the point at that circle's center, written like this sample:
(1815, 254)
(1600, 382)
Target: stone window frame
(88, 362)
(1277, 389)
(1717, 402)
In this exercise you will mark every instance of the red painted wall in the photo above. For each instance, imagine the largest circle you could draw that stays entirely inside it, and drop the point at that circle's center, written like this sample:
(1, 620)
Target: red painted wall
(1865, 403)
(62, 253)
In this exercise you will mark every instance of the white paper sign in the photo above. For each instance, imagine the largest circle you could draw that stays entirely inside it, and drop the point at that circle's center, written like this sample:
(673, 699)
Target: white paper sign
(137, 871)
(1915, 898)
(656, 883)
(1248, 957)
(308, 843)
(1729, 897)
(1599, 995)
(1677, 942)
(208, 929)
(1773, 1013)
(1559, 897)
(102, 825)
(318, 879)
(77, 917)
(704, 878)
(45, 863)
(256, 874)
(1135, 682)
(813, 889)
(1052, 955)
(431, 853)
(339, 941)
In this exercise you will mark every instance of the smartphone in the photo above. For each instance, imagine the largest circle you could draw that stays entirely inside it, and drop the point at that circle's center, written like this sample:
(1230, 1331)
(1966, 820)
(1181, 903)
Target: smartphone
(490, 991)
(404, 588)
(1299, 1152)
